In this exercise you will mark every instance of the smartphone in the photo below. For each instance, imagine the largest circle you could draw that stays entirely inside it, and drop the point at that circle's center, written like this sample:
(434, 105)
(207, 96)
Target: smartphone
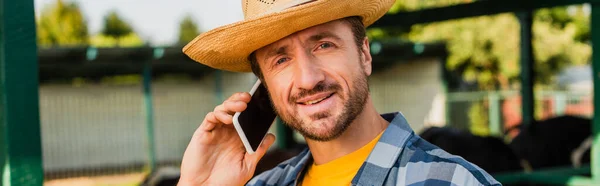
(253, 123)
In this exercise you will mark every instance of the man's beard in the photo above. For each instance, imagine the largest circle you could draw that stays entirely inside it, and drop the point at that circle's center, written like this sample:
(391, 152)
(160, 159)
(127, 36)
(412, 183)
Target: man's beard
(354, 105)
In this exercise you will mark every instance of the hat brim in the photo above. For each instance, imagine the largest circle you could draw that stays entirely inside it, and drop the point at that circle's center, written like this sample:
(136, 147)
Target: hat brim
(228, 47)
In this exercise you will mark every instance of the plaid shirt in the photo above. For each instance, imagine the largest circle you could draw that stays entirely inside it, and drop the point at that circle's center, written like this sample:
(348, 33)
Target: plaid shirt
(400, 158)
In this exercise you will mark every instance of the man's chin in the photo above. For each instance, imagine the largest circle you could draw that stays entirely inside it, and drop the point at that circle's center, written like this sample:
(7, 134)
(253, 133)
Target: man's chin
(319, 121)
(321, 135)
(317, 127)
(321, 130)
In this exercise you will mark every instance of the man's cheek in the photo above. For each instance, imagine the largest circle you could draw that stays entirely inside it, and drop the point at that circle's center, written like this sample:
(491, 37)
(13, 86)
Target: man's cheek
(283, 104)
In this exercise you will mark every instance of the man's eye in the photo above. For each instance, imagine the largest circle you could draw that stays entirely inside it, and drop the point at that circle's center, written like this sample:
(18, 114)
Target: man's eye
(325, 45)
(281, 60)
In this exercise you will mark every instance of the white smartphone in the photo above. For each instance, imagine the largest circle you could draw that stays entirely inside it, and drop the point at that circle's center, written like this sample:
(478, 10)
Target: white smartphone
(253, 123)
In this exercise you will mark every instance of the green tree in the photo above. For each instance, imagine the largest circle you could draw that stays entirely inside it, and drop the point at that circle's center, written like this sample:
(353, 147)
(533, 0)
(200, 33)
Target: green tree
(116, 33)
(485, 50)
(560, 39)
(115, 26)
(188, 30)
(62, 24)
(129, 40)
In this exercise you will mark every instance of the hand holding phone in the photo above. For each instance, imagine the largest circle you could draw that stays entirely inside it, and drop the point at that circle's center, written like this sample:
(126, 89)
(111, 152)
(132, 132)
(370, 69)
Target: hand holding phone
(253, 123)
(215, 154)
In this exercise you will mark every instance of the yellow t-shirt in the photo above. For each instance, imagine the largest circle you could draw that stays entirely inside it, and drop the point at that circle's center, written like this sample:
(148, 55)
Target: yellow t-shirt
(339, 171)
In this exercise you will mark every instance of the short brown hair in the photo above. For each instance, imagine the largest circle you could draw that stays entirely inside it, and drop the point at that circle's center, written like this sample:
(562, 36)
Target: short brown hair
(358, 30)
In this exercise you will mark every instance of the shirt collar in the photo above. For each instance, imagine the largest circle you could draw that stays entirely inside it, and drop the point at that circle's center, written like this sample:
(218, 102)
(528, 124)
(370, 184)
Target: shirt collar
(386, 152)
(382, 157)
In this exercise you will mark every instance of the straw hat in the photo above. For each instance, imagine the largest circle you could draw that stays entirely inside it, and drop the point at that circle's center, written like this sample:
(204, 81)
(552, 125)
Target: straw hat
(266, 21)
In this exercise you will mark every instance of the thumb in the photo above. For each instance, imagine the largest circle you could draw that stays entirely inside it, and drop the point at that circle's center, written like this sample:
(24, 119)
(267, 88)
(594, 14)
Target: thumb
(262, 149)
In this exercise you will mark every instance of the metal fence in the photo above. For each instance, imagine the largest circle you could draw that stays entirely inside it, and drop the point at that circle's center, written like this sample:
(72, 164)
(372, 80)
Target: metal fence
(494, 112)
(101, 128)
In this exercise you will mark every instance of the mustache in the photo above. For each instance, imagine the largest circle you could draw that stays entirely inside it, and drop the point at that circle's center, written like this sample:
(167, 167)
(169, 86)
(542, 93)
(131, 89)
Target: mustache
(320, 87)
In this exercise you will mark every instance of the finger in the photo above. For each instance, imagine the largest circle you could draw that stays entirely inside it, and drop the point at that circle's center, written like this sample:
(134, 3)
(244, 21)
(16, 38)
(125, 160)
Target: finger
(234, 106)
(231, 107)
(223, 117)
(220, 108)
(210, 122)
(236, 103)
(222, 113)
(244, 97)
(253, 159)
(210, 117)
(240, 96)
(208, 126)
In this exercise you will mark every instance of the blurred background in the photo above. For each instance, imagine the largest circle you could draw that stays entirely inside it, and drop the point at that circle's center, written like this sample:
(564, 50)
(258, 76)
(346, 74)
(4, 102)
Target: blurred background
(119, 101)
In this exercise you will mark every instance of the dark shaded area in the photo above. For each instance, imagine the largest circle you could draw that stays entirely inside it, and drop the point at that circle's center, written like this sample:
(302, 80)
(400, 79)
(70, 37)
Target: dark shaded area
(474, 9)
(541, 144)
(387, 53)
(489, 153)
(549, 143)
(96, 63)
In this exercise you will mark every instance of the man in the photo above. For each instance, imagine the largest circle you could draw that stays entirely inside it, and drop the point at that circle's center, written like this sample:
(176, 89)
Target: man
(314, 58)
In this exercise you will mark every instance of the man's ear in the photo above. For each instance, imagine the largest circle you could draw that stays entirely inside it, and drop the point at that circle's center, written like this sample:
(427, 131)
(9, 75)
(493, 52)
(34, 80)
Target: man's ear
(367, 60)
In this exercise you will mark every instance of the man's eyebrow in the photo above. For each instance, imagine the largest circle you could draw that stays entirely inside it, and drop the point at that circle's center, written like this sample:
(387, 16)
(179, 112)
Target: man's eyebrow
(277, 51)
(314, 38)
(323, 35)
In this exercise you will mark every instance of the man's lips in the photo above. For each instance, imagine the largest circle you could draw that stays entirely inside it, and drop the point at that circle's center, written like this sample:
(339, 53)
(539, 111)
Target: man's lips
(315, 98)
(320, 105)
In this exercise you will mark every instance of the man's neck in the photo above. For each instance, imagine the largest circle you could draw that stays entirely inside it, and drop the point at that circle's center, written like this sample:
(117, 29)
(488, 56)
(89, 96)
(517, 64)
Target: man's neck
(367, 125)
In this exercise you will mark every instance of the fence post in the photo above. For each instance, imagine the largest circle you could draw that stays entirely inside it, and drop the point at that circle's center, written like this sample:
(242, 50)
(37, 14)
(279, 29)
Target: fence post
(149, 112)
(494, 114)
(595, 30)
(527, 74)
(560, 103)
(20, 133)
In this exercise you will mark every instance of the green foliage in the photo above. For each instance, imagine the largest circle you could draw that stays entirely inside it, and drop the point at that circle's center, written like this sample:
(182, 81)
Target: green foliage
(559, 40)
(129, 40)
(188, 30)
(404, 6)
(115, 26)
(62, 24)
(479, 119)
(485, 49)
(116, 33)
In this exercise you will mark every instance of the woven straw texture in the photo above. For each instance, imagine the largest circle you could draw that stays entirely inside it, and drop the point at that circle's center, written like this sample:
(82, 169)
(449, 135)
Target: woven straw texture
(228, 47)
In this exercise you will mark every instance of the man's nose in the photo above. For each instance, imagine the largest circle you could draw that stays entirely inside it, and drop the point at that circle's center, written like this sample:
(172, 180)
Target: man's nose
(308, 72)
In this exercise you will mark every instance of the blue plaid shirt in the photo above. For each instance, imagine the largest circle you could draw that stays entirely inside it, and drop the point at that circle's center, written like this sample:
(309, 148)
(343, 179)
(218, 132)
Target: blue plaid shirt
(400, 158)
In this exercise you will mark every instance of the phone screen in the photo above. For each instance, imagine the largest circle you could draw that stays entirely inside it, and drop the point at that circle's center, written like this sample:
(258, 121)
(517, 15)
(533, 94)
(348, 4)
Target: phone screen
(256, 120)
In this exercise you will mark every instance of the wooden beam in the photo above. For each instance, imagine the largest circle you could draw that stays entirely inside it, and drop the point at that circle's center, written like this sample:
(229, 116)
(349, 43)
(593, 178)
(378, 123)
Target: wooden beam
(477, 8)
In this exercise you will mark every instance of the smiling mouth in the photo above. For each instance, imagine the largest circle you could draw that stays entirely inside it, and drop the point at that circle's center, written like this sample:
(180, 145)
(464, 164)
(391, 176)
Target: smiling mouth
(312, 102)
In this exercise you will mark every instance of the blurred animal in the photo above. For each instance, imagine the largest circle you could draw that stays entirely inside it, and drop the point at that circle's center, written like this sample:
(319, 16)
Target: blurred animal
(489, 153)
(559, 141)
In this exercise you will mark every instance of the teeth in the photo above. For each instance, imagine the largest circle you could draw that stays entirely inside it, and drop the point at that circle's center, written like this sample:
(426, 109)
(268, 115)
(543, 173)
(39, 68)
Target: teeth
(314, 101)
